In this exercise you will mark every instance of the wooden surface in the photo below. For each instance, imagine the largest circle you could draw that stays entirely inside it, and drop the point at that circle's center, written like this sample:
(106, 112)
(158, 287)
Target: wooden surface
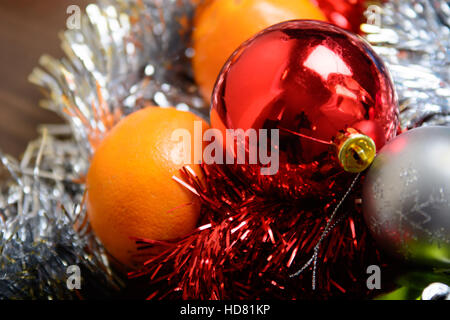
(28, 29)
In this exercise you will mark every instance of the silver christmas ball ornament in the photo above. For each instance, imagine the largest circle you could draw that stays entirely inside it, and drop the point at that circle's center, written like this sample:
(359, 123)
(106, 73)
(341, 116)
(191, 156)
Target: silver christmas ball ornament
(436, 291)
(406, 197)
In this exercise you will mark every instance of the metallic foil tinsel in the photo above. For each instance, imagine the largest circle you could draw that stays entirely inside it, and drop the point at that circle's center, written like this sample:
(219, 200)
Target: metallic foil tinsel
(250, 241)
(126, 55)
(42, 225)
(413, 38)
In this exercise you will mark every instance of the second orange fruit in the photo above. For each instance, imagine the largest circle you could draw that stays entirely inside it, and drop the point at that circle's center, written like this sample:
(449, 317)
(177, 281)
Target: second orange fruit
(222, 25)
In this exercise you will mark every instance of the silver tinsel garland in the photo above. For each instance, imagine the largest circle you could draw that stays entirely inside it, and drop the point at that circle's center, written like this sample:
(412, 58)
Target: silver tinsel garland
(43, 227)
(129, 54)
(126, 55)
(413, 38)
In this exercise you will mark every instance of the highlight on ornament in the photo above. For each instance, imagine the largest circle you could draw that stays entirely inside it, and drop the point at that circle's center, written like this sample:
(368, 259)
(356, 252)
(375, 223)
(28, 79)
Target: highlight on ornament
(230, 150)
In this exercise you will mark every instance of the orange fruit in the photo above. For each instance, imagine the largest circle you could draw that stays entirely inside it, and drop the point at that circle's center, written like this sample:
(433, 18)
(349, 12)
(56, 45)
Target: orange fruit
(220, 26)
(130, 189)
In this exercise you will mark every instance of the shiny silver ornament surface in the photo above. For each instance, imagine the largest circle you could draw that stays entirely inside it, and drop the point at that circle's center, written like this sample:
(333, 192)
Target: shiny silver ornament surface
(406, 196)
(436, 291)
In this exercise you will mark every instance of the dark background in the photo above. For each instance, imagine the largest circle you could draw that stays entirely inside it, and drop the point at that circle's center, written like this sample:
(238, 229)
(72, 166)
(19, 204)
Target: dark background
(28, 29)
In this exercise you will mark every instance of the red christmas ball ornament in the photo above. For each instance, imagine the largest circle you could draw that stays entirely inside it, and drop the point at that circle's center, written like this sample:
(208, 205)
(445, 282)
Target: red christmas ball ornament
(324, 89)
(347, 14)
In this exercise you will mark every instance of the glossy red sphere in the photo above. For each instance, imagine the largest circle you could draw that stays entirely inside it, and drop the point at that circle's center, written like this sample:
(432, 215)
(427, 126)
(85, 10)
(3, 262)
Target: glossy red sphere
(306, 78)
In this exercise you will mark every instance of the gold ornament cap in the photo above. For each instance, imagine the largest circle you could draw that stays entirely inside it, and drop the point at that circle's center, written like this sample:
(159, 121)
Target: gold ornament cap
(356, 152)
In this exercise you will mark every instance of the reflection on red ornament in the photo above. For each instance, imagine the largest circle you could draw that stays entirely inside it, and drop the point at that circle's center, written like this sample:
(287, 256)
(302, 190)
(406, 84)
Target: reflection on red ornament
(307, 79)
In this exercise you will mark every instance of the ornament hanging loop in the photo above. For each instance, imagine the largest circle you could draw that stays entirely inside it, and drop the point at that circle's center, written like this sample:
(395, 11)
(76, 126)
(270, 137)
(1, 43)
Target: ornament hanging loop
(356, 151)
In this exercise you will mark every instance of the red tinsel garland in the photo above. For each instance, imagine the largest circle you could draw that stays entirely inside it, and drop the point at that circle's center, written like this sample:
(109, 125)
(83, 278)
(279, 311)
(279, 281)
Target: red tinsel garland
(250, 241)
